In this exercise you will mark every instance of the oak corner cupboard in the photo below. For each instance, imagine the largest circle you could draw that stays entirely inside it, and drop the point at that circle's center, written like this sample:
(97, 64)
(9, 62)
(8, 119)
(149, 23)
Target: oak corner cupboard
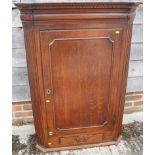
(77, 57)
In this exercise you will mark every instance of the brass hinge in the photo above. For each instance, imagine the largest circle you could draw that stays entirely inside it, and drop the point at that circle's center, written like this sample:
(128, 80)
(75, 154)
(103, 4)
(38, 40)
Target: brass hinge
(49, 143)
(117, 32)
(50, 133)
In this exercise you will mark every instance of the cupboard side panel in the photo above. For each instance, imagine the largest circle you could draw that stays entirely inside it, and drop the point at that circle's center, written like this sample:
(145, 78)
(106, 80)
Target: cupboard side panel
(37, 106)
(126, 46)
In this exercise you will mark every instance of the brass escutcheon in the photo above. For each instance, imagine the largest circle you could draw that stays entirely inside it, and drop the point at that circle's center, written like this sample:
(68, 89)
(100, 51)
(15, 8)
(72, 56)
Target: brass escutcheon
(48, 91)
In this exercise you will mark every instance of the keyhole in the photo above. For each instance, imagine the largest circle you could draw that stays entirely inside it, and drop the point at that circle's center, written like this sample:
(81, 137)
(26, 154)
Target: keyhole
(48, 91)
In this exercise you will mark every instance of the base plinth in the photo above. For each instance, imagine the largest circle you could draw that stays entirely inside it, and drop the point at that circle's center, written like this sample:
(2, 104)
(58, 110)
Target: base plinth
(43, 149)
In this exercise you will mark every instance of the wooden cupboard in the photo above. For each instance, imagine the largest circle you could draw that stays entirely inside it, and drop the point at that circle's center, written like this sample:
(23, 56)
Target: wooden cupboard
(77, 57)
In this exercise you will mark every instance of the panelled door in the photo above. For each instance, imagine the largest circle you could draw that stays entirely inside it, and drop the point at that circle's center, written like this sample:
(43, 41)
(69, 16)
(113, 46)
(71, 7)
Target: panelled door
(80, 74)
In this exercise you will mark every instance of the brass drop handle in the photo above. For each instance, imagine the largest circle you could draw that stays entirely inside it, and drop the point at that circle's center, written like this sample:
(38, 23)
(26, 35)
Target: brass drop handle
(81, 139)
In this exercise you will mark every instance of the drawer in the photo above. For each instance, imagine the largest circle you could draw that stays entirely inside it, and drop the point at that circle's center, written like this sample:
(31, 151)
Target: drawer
(81, 139)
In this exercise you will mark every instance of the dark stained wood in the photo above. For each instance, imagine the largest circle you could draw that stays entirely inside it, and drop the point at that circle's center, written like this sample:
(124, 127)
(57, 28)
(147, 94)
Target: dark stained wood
(77, 56)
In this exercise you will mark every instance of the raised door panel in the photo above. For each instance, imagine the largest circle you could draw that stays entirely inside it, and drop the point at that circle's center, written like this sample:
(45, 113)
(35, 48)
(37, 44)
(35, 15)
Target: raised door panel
(79, 66)
(78, 81)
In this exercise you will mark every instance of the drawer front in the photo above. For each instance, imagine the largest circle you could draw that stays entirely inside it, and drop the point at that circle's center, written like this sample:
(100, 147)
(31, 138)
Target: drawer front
(81, 139)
